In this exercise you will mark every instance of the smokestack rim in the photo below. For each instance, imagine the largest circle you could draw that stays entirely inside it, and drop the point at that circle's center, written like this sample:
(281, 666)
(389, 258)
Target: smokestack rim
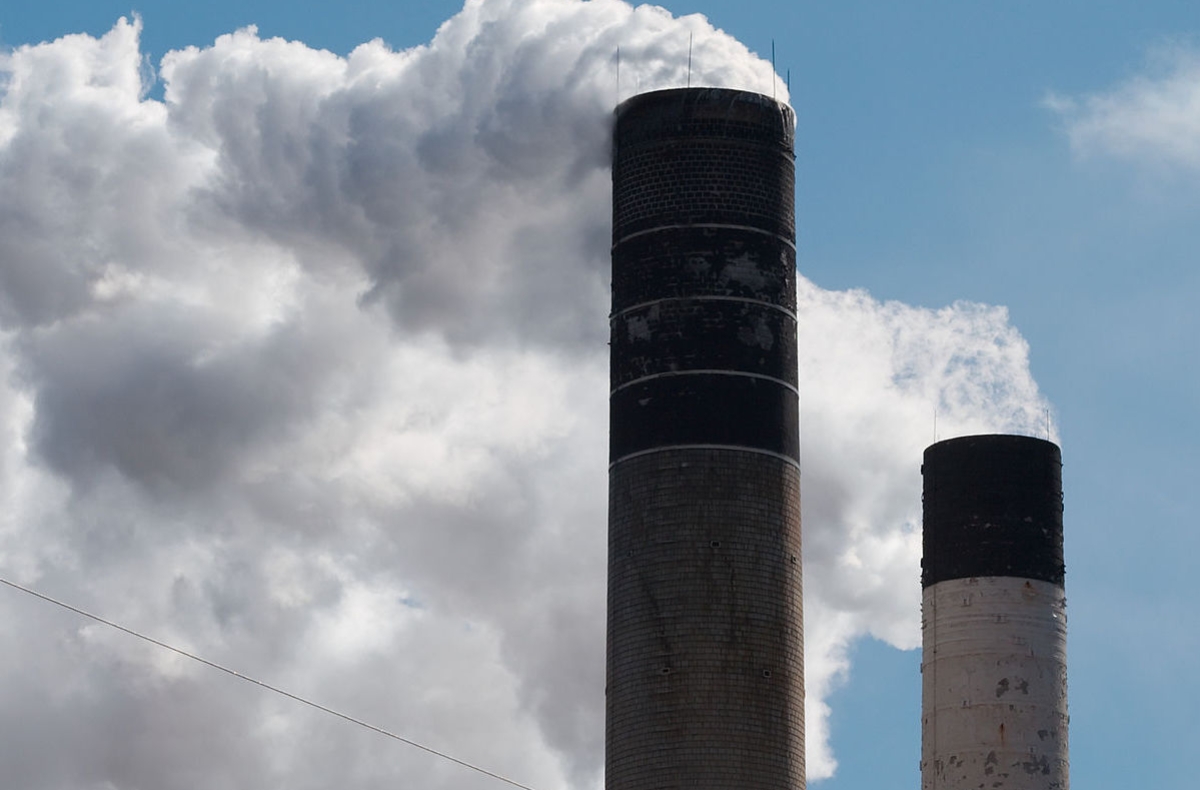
(993, 440)
(687, 100)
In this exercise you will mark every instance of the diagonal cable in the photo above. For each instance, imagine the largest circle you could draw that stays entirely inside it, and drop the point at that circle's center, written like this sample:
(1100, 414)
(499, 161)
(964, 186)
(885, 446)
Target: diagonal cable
(261, 684)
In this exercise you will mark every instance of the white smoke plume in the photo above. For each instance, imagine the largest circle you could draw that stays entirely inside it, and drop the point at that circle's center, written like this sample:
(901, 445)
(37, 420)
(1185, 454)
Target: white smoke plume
(304, 370)
(1153, 117)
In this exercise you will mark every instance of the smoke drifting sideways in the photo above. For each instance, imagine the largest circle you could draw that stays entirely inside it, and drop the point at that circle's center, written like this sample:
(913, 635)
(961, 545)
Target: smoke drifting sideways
(1152, 119)
(304, 370)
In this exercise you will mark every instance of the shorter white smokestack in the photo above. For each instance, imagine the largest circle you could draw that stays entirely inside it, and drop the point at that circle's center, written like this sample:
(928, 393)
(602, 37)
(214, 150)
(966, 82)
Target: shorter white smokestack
(994, 628)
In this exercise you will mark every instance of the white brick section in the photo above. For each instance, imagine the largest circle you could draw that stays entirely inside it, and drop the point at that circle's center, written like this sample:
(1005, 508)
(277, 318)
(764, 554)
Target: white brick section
(994, 685)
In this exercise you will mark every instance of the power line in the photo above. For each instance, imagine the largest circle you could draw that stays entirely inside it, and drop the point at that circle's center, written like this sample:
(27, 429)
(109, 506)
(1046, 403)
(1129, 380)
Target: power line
(261, 684)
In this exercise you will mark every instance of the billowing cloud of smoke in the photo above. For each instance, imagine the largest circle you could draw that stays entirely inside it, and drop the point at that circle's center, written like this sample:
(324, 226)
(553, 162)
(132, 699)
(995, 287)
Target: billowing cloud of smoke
(879, 382)
(1154, 117)
(304, 369)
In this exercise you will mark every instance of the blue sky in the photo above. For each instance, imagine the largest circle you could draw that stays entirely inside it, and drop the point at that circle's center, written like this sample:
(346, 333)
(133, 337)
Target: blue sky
(938, 160)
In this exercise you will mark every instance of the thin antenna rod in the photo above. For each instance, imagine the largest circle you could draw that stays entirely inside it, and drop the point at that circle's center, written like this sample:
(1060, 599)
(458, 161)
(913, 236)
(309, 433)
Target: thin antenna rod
(789, 81)
(935, 426)
(689, 60)
(772, 68)
(618, 74)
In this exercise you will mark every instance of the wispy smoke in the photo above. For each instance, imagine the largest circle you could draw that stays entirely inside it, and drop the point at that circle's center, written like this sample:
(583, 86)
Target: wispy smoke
(1153, 117)
(305, 370)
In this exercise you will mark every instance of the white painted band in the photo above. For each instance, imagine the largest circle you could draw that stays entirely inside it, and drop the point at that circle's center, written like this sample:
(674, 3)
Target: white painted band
(704, 372)
(789, 313)
(738, 447)
(714, 225)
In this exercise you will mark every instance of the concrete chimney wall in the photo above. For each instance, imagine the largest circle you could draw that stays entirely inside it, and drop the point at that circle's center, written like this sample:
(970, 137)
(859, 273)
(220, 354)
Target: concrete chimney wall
(994, 628)
(705, 634)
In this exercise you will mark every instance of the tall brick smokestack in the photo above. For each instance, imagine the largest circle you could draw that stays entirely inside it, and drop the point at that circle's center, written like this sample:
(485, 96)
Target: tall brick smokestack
(705, 646)
(994, 627)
